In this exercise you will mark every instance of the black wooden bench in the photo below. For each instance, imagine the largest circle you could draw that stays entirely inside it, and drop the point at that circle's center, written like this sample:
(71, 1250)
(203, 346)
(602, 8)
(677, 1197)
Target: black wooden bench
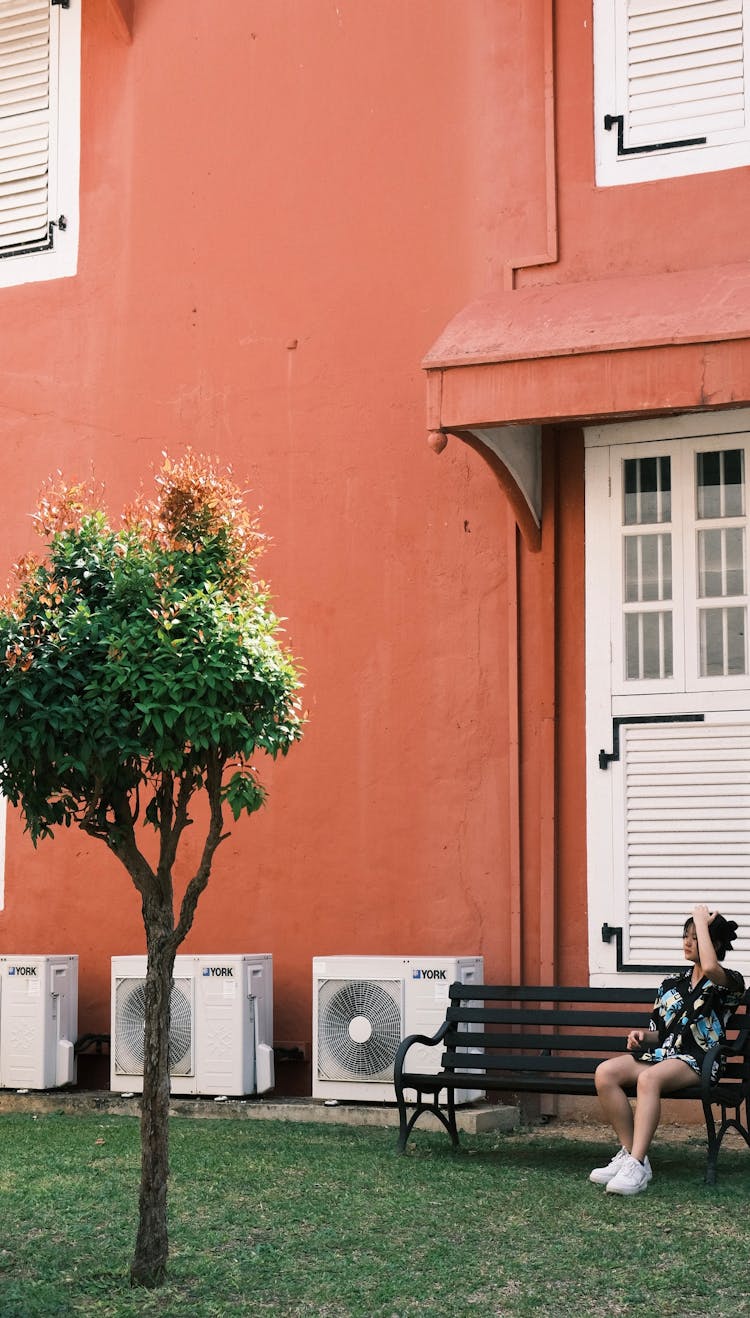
(541, 1040)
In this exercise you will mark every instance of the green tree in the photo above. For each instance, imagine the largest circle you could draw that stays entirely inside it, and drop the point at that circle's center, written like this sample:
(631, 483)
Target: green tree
(143, 669)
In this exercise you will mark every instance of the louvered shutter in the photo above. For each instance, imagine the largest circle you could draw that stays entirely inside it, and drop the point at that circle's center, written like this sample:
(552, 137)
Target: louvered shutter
(26, 124)
(671, 81)
(686, 70)
(687, 832)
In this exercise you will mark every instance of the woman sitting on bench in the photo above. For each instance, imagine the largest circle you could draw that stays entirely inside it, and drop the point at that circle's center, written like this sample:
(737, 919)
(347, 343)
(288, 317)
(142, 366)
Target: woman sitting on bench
(690, 1015)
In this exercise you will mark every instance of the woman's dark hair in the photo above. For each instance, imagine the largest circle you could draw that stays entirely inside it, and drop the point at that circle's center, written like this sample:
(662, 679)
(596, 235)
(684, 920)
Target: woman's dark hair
(723, 933)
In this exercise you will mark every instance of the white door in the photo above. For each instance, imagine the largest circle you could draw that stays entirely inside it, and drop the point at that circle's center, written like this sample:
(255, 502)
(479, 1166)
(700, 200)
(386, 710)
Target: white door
(668, 691)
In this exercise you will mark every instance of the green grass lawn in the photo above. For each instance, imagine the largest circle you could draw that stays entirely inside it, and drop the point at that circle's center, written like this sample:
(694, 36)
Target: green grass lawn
(328, 1222)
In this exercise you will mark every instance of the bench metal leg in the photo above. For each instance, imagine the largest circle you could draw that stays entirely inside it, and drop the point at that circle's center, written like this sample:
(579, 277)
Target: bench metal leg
(407, 1123)
(451, 1126)
(727, 1123)
(713, 1144)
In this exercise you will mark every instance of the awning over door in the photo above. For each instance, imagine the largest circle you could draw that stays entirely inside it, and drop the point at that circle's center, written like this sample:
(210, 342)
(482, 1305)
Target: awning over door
(611, 348)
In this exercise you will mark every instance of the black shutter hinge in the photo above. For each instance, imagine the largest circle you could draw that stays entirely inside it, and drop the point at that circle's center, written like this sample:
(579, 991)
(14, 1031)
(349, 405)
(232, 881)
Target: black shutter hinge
(64, 4)
(45, 245)
(608, 933)
(617, 120)
(609, 757)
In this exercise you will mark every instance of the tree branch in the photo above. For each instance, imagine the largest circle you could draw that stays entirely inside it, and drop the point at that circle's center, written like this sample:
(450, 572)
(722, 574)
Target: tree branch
(165, 797)
(170, 838)
(214, 771)
(120, 838)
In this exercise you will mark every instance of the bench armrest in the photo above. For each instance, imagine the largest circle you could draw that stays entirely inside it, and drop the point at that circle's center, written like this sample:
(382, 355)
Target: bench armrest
(405, 1045)
(737, 1047)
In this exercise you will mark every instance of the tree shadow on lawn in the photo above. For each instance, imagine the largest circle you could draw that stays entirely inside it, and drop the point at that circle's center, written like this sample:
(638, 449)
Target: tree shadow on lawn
(560, 1156)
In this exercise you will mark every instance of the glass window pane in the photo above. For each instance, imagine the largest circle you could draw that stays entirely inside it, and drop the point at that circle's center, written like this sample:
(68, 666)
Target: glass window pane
(666, 567)
(709, 485)
(712, 642)
(720, 480)
(649, 490)
(632, 574)
(721, 562)
(723, 651)
(734, 483)
(630, 492)
(651, 636)
(632, 646)
(650, 583)
(736, 646)
(734, 550)
(646, 491)
(665, 485)
(667, 660)
(648, 567)
(648, 646)
(710, 576)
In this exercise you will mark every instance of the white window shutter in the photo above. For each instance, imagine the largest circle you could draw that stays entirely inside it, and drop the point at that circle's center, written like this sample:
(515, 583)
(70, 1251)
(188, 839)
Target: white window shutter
(685, 71)
(672, 79)
(687, 832)
(26, 123)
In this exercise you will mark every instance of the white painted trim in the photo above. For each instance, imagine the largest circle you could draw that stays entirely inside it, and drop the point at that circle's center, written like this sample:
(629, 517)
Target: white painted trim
(659, 429)
(601, 892)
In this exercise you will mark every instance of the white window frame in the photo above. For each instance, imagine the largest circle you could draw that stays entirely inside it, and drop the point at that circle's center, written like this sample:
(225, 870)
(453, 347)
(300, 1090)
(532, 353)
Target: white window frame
(719, 701)
(61, 260)
(727, 143)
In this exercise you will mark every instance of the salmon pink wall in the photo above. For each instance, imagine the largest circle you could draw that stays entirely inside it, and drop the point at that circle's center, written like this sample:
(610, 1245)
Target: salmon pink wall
(282, 205)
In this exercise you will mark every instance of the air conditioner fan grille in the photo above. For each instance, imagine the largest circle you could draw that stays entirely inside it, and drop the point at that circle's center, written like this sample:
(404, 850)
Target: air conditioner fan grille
(359, 1028)
(130, 1016)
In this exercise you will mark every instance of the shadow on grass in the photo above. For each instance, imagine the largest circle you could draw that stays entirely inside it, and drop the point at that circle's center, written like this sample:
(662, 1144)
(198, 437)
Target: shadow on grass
(558, 1155)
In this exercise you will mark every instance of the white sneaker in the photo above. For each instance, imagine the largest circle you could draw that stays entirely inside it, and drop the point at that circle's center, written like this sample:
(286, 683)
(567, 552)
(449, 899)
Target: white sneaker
(603, 1175)
(631, 1178)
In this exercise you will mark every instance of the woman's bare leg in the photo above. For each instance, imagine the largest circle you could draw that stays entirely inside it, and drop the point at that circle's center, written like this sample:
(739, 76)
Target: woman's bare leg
(653, 1081)
(610, 1078)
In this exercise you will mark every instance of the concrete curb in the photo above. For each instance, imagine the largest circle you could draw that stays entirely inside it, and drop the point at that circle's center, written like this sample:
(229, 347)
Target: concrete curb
(473, 1119)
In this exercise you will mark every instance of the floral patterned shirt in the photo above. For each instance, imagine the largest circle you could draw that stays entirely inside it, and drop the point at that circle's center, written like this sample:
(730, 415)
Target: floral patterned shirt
(689, 1022)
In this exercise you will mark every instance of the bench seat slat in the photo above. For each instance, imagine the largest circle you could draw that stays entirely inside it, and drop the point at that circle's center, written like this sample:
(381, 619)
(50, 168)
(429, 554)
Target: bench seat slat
(492, 1063)
(532, 1083)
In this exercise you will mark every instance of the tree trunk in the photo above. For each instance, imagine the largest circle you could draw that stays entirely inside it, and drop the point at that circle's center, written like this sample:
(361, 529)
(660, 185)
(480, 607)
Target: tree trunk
(149, 1265)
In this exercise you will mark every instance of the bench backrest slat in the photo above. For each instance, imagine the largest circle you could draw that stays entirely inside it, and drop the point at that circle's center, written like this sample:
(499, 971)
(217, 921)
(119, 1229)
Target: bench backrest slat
(546, 1016)
(465, 1040)
(518, 1062)
(548, 993)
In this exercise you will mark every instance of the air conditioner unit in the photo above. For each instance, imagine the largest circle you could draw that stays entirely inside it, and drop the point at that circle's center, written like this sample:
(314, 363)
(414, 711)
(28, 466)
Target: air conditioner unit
(221, 1031)
(363, 1006)
(38, 1021)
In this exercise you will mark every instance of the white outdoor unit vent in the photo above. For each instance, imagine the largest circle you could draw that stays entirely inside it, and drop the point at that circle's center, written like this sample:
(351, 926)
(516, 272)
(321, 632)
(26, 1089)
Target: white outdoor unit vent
(38, 1021)
(221, 1030)
(363, 1006)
